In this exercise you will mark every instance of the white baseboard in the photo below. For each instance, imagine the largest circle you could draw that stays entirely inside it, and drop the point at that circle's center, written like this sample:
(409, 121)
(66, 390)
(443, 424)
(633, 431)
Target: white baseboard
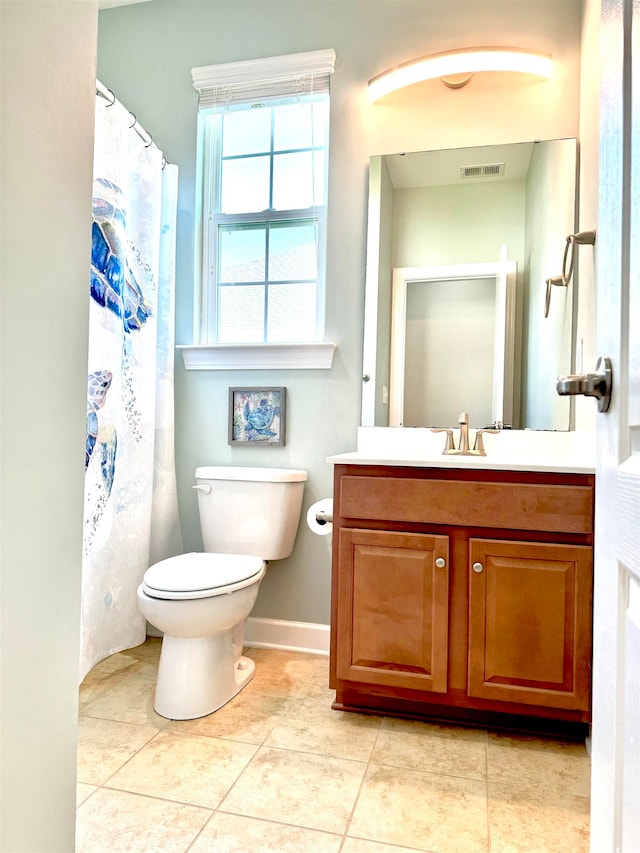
(279, 634)
(289, 636)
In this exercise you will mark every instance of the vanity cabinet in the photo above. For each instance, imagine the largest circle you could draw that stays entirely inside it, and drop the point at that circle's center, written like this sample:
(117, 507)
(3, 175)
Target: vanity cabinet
(463, 594)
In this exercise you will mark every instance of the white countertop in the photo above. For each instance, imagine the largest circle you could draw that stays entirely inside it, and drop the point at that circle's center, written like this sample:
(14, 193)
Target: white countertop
(511, 450)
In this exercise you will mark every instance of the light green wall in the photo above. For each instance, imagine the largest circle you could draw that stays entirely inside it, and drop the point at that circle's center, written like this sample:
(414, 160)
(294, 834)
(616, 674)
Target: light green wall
(458, 224)
(47, 102)
(145, 55)
(547, 340)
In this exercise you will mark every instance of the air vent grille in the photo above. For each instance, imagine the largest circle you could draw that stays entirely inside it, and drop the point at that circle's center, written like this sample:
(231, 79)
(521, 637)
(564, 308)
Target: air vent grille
(484, 170)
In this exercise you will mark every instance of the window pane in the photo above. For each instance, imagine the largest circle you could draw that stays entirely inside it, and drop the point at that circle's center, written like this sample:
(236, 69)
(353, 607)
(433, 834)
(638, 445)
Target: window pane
(321, 122)
(241, 253)
(241, 314)
(292, 252)
(319, 178)
(292, 312)
(245, 185)
(292, 127)
(293, 181)
(246, 132)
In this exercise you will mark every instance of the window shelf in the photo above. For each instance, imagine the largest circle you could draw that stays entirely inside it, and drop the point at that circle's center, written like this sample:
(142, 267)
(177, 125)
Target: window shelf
(308, 356)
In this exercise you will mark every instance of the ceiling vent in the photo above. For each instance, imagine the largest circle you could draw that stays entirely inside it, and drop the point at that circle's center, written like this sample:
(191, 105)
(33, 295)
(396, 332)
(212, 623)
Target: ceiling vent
(485, 170)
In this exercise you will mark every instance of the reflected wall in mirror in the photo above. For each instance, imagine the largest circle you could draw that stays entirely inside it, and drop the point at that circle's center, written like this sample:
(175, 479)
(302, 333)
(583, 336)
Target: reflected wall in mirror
(461, 208)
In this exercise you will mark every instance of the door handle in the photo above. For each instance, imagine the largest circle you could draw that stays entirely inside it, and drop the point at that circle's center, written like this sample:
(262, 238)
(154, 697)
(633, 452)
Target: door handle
(596, 384)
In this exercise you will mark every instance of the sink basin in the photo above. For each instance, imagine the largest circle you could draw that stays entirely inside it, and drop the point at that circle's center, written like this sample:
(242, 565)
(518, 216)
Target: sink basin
(517, 450)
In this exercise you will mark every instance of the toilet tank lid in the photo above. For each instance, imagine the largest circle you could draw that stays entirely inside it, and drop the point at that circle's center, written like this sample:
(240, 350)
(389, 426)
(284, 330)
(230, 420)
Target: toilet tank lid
(257, 475)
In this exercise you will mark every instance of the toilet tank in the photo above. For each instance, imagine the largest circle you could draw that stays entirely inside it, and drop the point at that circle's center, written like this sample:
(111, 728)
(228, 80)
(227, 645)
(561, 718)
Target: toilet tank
(250, 510)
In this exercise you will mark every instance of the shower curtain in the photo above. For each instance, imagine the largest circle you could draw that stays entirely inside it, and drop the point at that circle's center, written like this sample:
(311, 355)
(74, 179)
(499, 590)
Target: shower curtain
(131, 513)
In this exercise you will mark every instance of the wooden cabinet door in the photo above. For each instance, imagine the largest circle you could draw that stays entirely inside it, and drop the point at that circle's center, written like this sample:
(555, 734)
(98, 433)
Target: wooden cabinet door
(392, 609)
(530, 623)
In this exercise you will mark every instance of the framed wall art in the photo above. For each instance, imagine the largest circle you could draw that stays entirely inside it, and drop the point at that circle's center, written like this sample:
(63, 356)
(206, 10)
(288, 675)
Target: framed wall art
(257, 416)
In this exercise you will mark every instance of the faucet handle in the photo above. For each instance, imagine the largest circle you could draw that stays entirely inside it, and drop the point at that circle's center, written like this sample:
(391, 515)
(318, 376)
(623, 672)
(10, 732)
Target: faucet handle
(448, 445)
(479, 442)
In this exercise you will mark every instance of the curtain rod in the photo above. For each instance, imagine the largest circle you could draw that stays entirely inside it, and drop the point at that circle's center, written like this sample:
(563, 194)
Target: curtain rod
(144, 135)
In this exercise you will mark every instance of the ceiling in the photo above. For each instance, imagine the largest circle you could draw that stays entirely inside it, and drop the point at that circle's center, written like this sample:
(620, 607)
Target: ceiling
(441, 168)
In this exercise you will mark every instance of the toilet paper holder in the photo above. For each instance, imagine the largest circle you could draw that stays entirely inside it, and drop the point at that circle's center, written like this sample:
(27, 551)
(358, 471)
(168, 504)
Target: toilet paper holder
(323, 517)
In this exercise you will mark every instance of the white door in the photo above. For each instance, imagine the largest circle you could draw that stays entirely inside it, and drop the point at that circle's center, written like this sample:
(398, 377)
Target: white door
(615, 790)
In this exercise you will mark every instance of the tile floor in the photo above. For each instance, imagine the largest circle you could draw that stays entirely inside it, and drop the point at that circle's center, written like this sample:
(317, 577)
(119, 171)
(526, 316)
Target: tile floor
(277, 770)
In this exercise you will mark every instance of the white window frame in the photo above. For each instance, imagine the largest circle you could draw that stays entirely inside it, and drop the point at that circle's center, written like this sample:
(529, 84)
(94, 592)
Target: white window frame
(239, 82)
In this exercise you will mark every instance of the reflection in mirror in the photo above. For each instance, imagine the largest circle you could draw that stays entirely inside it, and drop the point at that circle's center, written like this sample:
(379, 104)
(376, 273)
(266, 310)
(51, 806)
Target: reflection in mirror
(505, 210)
(436, 313)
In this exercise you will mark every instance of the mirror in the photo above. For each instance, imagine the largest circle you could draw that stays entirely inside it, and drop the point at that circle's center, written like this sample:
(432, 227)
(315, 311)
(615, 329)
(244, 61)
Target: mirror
(460, 244)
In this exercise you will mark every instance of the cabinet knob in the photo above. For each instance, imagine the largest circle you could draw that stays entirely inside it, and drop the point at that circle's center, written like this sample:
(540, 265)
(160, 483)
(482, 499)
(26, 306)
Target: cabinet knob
(478, 567)
(441, 562)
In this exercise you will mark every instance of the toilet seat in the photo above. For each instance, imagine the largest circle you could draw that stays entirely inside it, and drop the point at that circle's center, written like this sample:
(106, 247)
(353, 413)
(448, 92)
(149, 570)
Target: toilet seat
(201, 575)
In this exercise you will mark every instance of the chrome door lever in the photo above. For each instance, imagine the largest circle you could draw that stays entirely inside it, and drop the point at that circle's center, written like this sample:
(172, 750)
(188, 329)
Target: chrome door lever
(596, 384)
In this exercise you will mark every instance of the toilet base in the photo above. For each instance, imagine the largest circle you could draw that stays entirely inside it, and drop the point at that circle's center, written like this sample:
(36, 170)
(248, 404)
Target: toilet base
(198, 676)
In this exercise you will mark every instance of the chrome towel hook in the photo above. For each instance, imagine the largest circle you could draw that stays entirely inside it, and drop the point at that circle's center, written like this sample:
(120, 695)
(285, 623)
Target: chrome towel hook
(559, 282)
(582, 238)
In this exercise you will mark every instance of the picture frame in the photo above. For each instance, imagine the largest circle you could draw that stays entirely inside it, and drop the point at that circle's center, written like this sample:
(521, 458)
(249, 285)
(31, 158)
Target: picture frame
(257, 416)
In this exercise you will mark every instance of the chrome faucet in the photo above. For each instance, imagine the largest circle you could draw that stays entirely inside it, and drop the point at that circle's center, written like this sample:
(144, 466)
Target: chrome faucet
(463, 445)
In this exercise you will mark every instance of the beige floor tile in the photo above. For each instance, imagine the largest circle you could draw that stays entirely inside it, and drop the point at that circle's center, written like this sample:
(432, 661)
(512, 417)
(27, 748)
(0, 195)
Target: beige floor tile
(124, 697)
(83, 791)
(309, 726)
(450, 750)
(317, 684)
(522, 820)
(145, 666)
(307, 790)
(185, 768)
(150, 648)
(275, 657)
(141, 673)
(114, 663)
(297, 792)
(360, 845)
(227, 833)
(248, 717)
(105, 745)
(426, 811)
(118, 822)
(539, 762)
(280, 673)
(97, 681)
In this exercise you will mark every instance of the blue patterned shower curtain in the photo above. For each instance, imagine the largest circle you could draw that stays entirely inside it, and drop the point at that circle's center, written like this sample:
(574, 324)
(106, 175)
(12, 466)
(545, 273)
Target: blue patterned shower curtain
(131, 513)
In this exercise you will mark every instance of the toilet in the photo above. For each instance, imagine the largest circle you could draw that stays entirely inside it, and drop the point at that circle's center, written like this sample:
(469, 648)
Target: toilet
(200, 601)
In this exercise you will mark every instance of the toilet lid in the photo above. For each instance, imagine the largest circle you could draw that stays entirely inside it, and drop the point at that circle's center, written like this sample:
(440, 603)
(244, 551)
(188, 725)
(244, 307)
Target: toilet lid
(195, 574)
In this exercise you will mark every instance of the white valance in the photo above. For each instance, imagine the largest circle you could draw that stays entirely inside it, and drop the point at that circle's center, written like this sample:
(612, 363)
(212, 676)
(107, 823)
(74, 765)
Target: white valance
(264, 79)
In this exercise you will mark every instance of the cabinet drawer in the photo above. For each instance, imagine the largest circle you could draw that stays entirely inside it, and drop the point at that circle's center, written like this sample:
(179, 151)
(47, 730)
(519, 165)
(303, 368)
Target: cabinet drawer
(518, 506)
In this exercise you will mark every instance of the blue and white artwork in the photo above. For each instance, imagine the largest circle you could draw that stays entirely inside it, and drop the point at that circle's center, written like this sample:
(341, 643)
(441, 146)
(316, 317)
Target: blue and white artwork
(257, 416)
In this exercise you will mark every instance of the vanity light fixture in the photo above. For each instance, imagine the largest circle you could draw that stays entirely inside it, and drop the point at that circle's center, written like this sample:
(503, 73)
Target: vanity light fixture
(460, 64)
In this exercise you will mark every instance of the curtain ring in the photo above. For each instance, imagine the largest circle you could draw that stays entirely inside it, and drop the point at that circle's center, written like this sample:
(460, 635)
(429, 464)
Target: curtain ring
(113, 97)
(133, 116)
(164, 162)
(150, 142)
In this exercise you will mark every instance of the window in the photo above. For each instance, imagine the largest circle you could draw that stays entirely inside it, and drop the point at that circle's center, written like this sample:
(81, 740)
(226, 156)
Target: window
(263, 129)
